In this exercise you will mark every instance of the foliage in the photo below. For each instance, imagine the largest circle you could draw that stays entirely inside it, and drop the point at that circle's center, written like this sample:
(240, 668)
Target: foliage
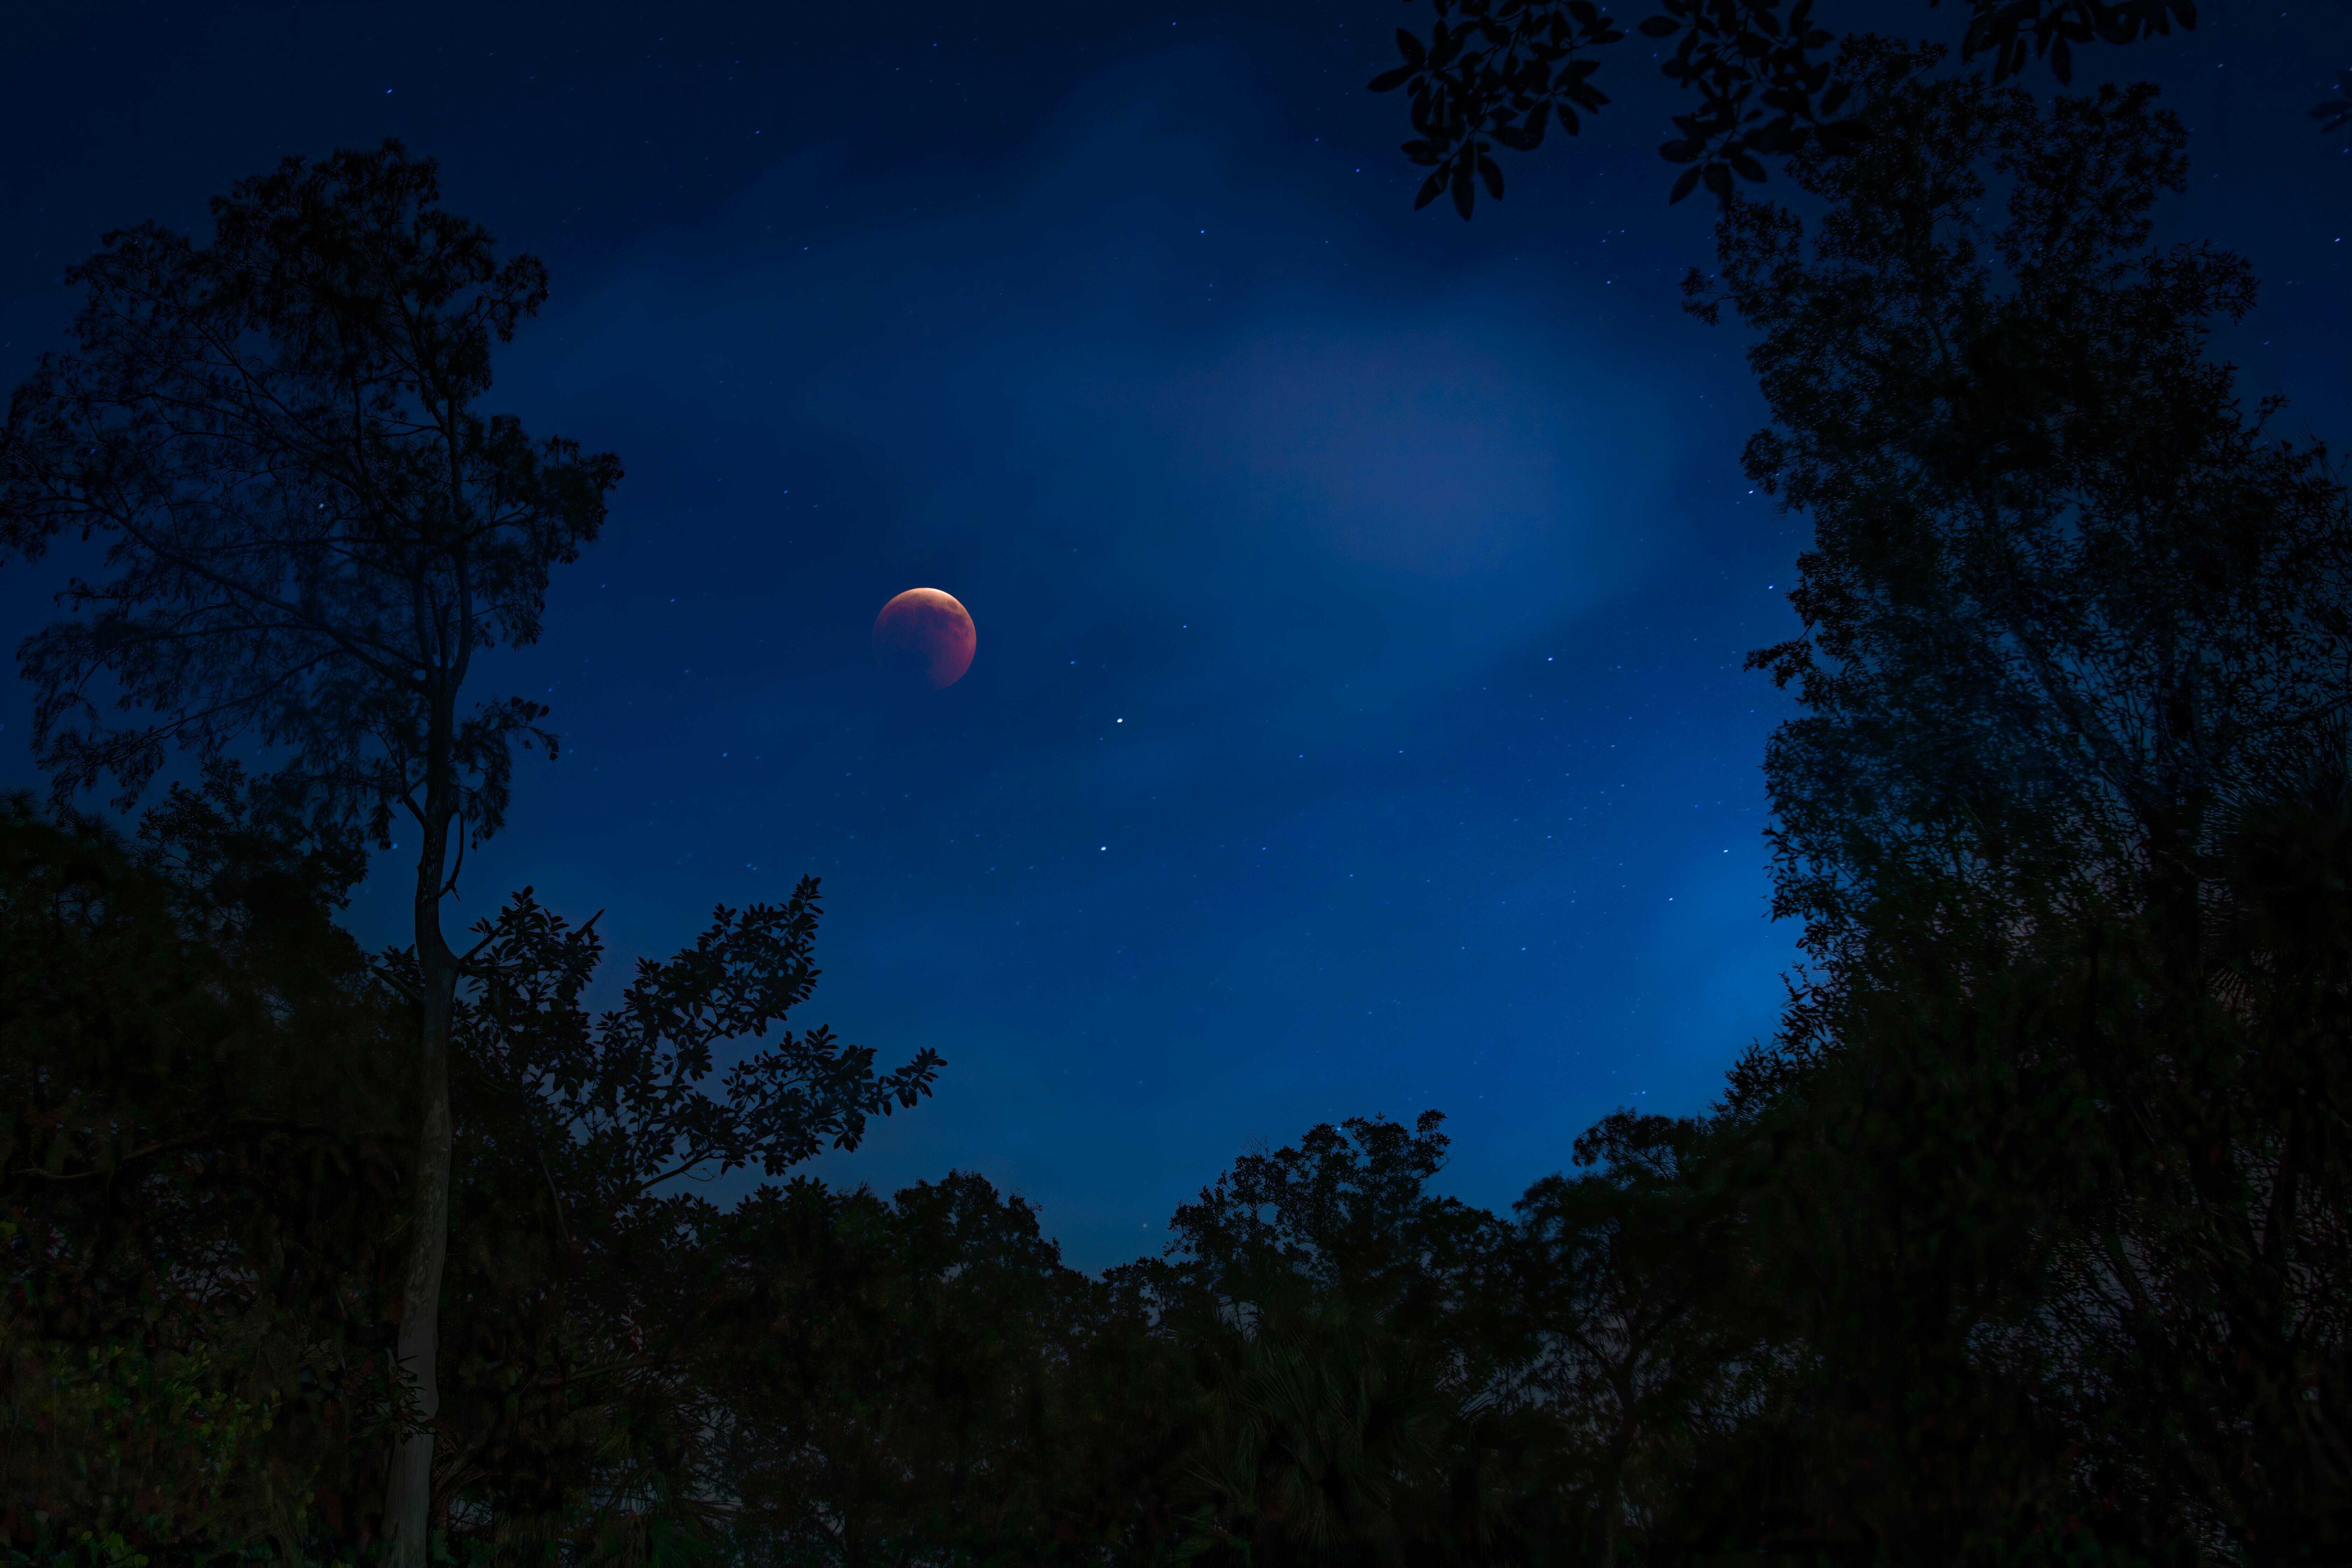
(312, 526)
(2046, 1148)
(624, 1086)
(583, 1274)
(2066, 599)
(200, 1167)
(1769, 84)
(897, 1366)
(198, 1171)
(1344, 1214)
(1348, 1332)
(1628, 1280)
(313, 529)
(2027, 1239)
(1319, 1421)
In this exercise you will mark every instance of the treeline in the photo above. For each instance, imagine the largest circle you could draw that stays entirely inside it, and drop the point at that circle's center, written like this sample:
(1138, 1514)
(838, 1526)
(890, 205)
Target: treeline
(2028, 1237)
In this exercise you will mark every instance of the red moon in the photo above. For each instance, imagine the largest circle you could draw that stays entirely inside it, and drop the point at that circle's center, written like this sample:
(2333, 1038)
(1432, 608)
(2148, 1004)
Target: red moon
(924, 633)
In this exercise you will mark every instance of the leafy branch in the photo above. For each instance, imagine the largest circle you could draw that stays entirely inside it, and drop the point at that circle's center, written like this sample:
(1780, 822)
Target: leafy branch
(1498, 73)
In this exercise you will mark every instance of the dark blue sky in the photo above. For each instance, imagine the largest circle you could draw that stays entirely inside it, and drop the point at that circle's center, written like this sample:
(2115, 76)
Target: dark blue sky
(1356, 724)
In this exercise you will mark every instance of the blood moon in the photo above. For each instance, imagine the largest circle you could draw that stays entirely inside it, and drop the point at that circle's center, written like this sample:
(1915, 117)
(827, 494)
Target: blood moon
(924, 634)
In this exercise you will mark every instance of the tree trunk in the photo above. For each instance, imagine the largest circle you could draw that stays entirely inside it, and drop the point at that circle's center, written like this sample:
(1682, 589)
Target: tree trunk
(408, 1490)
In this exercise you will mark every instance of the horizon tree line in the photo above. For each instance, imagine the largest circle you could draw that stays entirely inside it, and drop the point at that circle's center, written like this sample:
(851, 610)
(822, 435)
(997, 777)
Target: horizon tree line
(2027, 1238)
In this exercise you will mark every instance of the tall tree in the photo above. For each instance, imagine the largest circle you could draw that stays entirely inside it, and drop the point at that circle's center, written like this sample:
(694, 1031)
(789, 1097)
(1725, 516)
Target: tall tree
(2067, 596)
(311, 527)
(2058, 816)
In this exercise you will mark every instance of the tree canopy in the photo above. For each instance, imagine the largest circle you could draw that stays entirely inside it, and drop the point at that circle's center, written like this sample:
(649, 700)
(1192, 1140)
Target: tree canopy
(1768, 82)
(2027, 1238)
(311, 528)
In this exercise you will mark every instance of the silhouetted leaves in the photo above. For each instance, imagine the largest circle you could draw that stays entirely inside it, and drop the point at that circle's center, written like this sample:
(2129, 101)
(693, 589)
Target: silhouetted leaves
(1765, 75)
(1494, 73)
(2071, 622)
(204, 1122)
(310, 529)
(2027, 1238)
(579, 1392)
(202, 1113)
(2014, 31)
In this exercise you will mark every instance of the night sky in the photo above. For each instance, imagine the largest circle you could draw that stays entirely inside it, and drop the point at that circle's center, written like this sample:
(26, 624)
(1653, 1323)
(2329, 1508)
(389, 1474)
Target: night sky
(1358, 723)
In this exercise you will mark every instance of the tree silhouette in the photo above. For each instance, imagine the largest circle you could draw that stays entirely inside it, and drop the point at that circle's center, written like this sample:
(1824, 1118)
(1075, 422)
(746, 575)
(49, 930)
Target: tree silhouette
(2066, 596)
(1623, 1271)
(586, 1388)
(2054, 1135)
(311, 529)
(1321, 1421)
(1352, 1352)
(1498, 73)
(202, 1109)
(893, 1371)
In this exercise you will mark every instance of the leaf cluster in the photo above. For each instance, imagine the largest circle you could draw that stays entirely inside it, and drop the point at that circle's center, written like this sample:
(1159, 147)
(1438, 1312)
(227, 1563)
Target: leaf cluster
(584, 1276)
(200, 1117)
(310, 526)
(626, 1085)
(2048, 1148)
(1493, 73)
(205, 1119)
